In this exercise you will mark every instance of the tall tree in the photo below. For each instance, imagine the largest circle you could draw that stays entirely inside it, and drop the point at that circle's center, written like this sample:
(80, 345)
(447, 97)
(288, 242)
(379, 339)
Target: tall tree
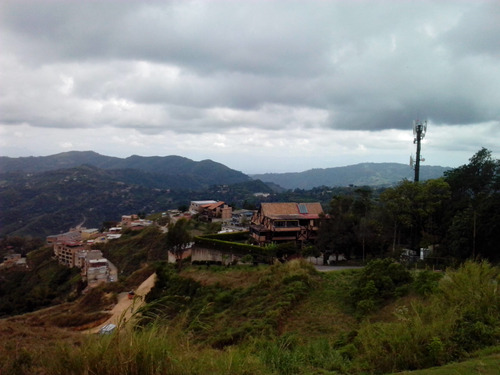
(473, 217)
(178, 239)
(361, 208)
(397, 203)
(336, 233)
(414, 210)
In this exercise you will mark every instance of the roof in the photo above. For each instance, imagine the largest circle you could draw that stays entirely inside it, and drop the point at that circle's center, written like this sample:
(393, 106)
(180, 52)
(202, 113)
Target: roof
(71, 243)
(203, 202)
(291, 210)
(214, 205)
(91, 230)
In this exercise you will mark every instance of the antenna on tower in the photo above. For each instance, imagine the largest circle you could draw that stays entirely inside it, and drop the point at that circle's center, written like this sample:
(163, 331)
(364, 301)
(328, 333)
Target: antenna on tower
(419, 130)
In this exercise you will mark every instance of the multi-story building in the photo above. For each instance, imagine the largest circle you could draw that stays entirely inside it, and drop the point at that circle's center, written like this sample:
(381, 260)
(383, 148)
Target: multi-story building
(66, 252)
(286, 222)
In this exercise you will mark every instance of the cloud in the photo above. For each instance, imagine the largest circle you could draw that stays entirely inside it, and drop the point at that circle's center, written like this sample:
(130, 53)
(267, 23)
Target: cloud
(280, 69)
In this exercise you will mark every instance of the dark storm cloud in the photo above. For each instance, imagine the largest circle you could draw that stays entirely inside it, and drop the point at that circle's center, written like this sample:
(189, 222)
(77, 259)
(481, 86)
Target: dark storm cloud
(176, 65)
(477, 32)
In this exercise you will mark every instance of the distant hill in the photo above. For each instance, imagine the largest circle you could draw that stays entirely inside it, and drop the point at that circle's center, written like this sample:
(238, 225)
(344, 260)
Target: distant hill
(189, 173)
(47, 195)
(370, 174)
(39, 204)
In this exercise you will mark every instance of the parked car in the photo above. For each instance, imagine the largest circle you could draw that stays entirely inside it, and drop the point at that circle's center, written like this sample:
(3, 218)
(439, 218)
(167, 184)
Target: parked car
(107, 329)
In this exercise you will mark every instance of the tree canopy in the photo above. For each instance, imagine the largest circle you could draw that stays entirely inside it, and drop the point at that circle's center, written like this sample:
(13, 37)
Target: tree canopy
(458, 216)
(178, 238)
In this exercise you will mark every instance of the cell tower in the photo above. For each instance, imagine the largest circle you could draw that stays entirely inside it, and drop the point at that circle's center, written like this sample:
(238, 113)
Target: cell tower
(419, 130)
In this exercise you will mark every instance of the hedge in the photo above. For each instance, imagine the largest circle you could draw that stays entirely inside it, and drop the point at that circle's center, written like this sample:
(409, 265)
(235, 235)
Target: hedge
(259, 254)
(231, 236)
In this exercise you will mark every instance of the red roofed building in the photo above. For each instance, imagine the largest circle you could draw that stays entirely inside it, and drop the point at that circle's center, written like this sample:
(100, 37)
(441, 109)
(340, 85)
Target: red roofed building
(210, 210)
(286, 222)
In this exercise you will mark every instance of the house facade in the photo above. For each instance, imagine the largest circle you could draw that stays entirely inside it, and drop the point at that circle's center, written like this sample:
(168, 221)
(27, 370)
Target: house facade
(286, 222)
(210, 210)
(66, 252)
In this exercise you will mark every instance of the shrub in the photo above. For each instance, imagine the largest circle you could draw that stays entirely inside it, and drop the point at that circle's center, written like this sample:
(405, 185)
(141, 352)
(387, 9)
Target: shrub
(462, 315)
(473, 290)
(380, 280)
(426, 282)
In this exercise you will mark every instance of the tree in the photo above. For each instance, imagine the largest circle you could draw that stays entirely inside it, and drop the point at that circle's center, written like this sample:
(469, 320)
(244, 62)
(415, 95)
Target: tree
(415, 209)
(336, 233)
(178, 238)
(473, 216)
(397, 203)
(362, 206)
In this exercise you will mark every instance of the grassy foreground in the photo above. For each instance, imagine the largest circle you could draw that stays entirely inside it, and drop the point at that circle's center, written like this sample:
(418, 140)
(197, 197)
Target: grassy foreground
(290, 319)
(485, 363)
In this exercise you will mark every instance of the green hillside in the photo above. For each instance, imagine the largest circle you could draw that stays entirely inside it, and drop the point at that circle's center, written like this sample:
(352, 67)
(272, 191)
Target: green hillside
(208, 171)
(290, 319)
(369, 174)
(40, 204)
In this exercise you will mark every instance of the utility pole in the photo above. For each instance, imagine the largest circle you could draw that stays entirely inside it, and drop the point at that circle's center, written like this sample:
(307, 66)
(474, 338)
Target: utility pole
(419, 130)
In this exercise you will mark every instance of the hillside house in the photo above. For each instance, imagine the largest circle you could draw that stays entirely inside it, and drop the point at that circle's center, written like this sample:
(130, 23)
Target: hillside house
(286, 222)
(13, 260)
(66, 252)
(128, 219)
(90, 233)
(71, 236)
(241, 217)
(210, 210)
(197, 206)
(140, 224)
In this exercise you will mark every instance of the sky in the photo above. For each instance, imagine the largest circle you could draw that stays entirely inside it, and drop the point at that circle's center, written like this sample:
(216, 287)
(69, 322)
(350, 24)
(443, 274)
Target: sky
(260, 86)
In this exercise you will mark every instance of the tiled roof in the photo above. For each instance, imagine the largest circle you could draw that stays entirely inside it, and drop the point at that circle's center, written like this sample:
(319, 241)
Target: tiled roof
(214, 205)
(286, 209)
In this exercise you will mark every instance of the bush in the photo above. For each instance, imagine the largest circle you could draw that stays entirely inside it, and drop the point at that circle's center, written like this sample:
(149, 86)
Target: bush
(426, 282)
(380, 280)
(473, 290)
(462, 315)
(259, 254)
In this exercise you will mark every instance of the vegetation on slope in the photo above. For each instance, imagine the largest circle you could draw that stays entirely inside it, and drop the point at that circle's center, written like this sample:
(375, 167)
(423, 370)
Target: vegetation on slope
(289, 319)
(46, 283)
(372, 174)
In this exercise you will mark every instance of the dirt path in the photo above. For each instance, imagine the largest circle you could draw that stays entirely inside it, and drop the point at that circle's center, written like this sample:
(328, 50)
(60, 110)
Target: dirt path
(123, 311)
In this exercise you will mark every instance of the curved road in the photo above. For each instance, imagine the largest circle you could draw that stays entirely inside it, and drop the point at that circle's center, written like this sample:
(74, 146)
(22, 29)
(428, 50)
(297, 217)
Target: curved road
(123, 311)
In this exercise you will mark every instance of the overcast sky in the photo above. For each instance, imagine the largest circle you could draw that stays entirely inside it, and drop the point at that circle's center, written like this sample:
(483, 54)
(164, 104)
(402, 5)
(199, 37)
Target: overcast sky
(260, 86)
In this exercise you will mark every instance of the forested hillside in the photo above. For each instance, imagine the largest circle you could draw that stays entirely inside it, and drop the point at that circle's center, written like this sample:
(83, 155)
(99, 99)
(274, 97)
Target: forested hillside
(190, 174)
(364, 174)
(39, 204)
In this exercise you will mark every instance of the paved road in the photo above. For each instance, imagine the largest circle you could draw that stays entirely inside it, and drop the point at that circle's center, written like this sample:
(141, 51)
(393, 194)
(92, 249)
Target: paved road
(125, 308)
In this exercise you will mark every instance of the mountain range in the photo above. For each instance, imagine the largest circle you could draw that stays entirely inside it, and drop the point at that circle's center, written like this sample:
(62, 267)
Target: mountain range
(369, 174)
(47, 195)
(154, 171)
(180, 172)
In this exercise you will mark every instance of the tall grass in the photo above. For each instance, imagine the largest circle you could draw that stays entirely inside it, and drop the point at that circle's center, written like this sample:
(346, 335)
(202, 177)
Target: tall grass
(219, 330)
(154, 350)
(463, 315)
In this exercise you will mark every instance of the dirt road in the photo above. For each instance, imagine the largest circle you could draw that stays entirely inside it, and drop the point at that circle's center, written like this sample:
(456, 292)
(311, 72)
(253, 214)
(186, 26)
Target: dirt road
(123, 311)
